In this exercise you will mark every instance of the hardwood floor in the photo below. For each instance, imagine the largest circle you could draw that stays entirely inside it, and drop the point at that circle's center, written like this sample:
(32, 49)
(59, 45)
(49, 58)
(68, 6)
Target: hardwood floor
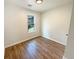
(37, 48)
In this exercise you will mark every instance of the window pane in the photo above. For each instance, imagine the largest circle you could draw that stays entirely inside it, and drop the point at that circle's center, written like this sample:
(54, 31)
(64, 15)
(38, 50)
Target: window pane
(31, 23)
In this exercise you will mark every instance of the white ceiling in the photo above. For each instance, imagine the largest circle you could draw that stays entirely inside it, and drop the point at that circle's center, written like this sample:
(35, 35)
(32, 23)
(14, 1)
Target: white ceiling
(46, 5)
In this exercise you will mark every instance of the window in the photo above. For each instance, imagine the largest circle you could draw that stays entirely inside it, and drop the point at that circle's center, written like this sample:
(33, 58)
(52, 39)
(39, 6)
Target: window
(31, 23)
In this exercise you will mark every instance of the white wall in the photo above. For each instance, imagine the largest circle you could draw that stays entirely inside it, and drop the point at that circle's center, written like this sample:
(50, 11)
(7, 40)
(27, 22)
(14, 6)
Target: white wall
(16, 29)
(69, 51)
(55, 23)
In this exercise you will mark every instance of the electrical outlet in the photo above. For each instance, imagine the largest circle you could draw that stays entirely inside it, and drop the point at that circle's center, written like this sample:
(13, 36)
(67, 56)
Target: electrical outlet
(66, 34)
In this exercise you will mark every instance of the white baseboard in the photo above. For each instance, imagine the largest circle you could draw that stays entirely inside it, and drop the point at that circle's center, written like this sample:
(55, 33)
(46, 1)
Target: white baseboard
(19, 42)
(55, 40)
(29, 39)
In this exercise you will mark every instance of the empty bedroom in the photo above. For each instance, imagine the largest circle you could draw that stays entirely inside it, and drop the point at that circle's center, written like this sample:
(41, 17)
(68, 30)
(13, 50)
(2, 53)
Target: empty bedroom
(38, 29)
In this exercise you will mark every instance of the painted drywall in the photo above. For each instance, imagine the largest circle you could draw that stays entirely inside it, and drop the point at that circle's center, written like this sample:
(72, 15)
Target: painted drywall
(55, 23)
(16, 24)
(69, 51)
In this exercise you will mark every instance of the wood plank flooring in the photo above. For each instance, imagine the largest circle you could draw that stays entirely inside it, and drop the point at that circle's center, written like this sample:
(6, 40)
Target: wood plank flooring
(37, 48)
